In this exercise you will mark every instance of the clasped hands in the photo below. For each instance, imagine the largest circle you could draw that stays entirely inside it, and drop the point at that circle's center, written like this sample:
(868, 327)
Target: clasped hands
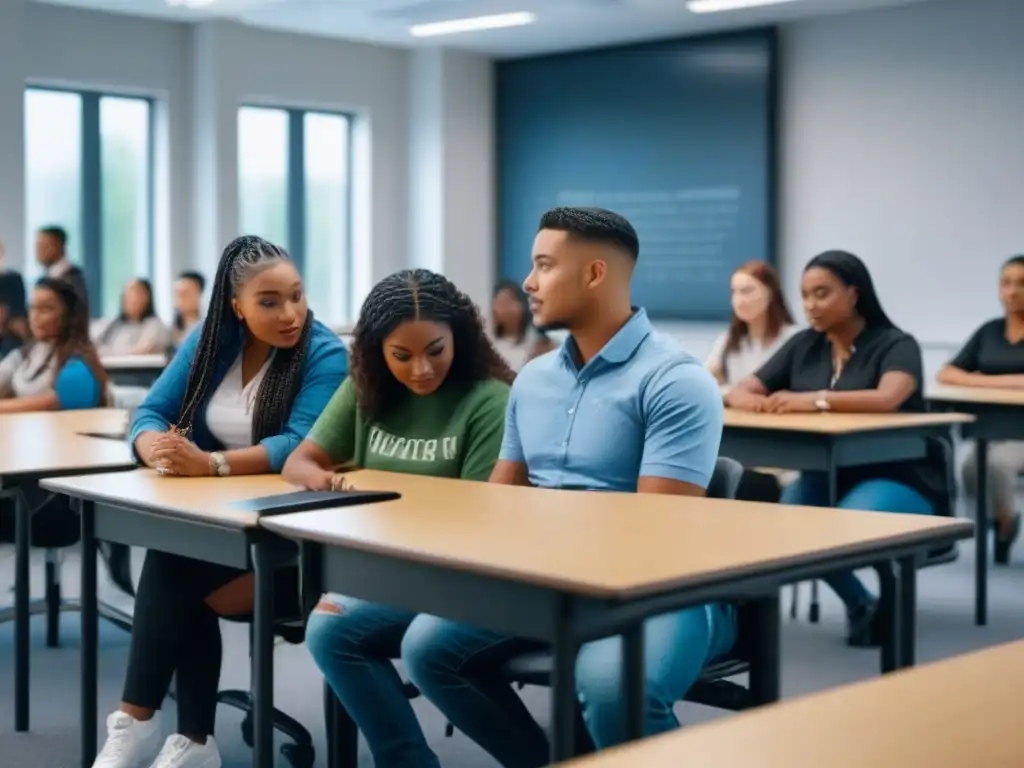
(779, 402)
(174, 454)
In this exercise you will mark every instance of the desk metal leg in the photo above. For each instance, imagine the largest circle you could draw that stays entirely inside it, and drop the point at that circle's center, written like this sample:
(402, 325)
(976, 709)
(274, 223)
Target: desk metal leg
(633, 681)
(90, 630)
(889, 609)
(833, 501)
(22, 529)
(563, 691)
(981, 536)
(263, 659)
(766, 656)
(908, 611)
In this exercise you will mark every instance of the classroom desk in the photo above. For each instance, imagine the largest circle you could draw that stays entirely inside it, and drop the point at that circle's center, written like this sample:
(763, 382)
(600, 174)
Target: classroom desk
(949, 714)
(998, 415)
(35, 446)
(571, 566)
(134, 370)
(826, 442)
(192, 517)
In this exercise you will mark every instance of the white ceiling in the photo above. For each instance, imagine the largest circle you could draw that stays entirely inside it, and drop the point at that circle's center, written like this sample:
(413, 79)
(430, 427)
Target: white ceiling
(561, 24)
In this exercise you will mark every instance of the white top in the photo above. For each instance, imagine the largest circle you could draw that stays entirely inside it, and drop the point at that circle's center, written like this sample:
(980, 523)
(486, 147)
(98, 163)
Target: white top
(28, 375)
(229, 413)
(748, 358)
(516, 354)
(115, 337)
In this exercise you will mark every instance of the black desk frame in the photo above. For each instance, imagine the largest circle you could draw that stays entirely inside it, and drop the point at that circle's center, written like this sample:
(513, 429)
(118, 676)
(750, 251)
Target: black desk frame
(828, 453)
(567, 620)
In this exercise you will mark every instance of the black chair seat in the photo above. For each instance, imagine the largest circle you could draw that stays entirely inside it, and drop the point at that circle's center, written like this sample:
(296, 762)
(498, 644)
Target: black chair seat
(940, 556)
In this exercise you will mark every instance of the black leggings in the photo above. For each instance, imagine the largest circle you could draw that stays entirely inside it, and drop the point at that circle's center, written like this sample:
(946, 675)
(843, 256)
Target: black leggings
(175, 631)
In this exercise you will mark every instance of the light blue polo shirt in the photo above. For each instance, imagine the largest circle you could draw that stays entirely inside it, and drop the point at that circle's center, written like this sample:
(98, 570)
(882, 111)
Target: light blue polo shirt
(642, 407)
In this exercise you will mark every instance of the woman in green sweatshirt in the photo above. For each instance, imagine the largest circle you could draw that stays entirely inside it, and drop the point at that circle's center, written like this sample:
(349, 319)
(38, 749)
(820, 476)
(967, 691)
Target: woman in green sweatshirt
(426, 395)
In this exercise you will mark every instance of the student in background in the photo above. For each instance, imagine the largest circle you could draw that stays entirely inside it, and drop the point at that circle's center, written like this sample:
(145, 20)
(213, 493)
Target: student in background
(760, 324)
(994, 357)
(424, 376)
(619, 407)
(851, 360)
(51, 253)
(59, 369)
(136, 330)
(188, 305)
(14, 325)
(236, 400)
(515, 338)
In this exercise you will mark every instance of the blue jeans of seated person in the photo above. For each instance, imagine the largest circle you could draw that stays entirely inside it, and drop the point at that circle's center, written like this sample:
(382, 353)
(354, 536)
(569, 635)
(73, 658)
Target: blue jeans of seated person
(455, 666)
(880, 495)
(353, 644)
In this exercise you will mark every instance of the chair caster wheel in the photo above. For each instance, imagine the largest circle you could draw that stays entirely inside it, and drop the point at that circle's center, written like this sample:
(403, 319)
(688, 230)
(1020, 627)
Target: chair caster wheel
(299, 755)
(247, 730)
(815, 613)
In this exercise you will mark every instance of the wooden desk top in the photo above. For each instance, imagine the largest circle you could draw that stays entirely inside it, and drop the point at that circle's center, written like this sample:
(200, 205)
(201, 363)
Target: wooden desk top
(600, 544)
(49, 443)
(199, 499)
(950, 714)
(839, 423)
(133, 362)
(976, 395)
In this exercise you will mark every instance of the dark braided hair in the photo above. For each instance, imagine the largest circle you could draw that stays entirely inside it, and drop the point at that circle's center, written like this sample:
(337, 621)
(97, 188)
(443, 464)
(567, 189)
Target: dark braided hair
(72, 337)
(409, 295)
(244, 258)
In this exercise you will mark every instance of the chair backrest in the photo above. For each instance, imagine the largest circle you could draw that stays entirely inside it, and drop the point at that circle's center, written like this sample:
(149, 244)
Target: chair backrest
(725, 481)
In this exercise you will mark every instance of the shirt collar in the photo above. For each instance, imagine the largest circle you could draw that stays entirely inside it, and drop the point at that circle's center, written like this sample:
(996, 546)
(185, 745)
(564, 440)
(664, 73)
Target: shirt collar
(59, 268)
(620, 347)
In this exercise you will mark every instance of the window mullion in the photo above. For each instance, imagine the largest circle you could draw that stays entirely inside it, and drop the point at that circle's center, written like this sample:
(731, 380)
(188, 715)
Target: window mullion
(296, 186)
(92, 201)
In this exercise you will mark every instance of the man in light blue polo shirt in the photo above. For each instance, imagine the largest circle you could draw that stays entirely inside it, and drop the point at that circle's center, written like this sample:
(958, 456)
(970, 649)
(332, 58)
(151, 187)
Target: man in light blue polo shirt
(619, 407)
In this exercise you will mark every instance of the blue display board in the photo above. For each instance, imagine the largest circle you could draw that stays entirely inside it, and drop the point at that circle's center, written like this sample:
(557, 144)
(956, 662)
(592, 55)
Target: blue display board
(677, 136)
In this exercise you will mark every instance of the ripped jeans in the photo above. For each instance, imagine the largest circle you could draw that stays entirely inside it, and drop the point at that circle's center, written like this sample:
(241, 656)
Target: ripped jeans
(455, 665)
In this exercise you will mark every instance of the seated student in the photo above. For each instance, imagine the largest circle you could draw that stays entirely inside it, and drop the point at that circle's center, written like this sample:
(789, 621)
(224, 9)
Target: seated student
(427, 396)
(13, 329)
(619, 407)
(57, 370)
(852, 360)
(994, 357)
(136, 330)
(514, 336)
(188, 305)
(51, 254)
(760, 324)
(237, 398)
(9, 339)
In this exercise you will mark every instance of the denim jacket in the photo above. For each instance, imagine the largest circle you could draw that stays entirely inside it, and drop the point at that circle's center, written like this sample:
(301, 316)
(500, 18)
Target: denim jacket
(325, 367)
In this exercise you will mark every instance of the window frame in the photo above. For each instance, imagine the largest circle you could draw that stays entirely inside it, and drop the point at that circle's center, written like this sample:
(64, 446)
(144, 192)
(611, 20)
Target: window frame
(91, 212)
(295, 189)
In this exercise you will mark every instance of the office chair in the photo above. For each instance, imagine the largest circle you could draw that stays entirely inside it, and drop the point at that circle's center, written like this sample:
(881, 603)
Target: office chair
(940, 556)
(757, 620)
(117, 558)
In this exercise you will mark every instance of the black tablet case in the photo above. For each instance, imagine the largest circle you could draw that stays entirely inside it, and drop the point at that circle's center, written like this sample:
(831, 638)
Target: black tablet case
(308, 501)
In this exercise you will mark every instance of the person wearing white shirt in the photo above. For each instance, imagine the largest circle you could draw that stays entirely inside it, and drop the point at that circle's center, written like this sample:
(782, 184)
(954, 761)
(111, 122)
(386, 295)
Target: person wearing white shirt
(512, 331)
(136, 330)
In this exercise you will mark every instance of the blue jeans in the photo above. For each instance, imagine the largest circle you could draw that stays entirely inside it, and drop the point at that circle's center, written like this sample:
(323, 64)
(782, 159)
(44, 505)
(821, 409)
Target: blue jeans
(880, 495)
(353, 642)
(454, 665)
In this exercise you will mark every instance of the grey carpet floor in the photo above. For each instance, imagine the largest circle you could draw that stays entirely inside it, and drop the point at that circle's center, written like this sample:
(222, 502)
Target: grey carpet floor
(814, 658)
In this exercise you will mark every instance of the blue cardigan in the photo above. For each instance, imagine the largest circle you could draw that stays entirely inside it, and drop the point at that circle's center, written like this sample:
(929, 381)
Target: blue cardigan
(325, 367)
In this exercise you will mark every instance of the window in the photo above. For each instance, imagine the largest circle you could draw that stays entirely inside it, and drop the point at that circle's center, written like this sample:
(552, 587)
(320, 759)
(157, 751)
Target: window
(89, 169)
(294, 187)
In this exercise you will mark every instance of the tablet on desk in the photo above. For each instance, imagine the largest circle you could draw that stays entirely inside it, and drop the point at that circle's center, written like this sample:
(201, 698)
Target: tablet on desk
(118, 436)
(308, 501)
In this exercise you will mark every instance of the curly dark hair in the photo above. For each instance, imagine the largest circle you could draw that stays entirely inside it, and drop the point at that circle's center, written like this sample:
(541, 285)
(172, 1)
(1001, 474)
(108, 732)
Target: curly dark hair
(418, 294)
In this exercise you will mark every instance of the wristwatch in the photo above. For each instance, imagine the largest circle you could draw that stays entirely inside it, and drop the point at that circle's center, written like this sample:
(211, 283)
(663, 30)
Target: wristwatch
(822, 402)
(219, 465)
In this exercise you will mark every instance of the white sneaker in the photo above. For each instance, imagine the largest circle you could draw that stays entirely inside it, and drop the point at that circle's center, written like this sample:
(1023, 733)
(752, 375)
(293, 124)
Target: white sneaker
(130, 743)
(181, 752)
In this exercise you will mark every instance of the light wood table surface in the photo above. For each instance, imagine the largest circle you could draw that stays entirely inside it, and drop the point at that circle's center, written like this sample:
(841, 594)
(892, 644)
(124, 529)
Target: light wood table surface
(570, 566)
(828, 442)
(998, 415)
(949, 714)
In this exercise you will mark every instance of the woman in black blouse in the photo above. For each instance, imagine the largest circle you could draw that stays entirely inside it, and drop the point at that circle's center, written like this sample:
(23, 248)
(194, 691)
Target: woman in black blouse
(994, 357)
(852, 360)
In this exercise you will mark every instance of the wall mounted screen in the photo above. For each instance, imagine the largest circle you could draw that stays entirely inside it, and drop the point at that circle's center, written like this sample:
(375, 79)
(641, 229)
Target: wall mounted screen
(677, 136)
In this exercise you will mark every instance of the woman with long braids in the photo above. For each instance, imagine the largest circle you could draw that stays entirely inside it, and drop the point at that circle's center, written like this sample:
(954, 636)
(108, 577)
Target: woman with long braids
(852, 359)
(237, 398)
(427, 396)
